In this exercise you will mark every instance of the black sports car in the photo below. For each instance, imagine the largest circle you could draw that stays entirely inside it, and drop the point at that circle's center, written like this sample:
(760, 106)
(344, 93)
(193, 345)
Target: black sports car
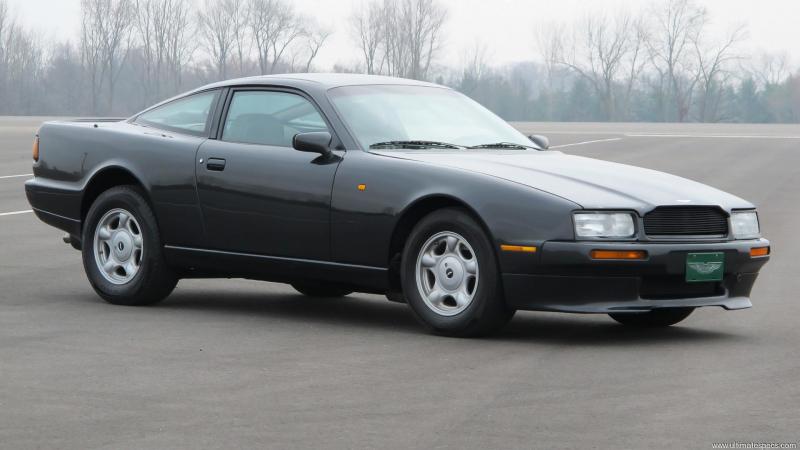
(342, 183)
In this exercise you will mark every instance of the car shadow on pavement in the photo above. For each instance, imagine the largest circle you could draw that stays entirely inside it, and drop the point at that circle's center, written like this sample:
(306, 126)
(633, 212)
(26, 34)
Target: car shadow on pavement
(351, 311)
(375, 312)
(600, 330)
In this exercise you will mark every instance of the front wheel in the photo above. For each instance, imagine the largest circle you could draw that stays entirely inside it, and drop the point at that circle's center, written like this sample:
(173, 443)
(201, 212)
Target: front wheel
(653, 319)
(450, 276)
(122, 253)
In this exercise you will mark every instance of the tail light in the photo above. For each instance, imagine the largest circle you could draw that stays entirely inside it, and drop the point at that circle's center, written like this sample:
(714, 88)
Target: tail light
(36, 148)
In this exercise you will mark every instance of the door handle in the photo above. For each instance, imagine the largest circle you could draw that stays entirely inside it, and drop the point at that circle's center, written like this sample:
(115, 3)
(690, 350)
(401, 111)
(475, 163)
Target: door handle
(217, 164)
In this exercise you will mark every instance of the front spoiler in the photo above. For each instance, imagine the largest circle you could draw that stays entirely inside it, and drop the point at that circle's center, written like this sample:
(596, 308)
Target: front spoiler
(608, 294)
(568, 280)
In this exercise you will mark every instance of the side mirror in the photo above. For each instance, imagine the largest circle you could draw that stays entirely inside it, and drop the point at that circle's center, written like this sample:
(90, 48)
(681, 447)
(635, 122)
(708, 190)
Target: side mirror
(541, 141)
(317, 142)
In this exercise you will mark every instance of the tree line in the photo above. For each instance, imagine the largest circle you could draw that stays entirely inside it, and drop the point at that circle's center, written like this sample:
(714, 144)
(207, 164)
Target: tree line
(661, 64)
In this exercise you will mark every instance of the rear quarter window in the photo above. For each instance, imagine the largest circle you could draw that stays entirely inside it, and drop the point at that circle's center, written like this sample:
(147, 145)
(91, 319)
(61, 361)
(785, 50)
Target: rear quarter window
(189, 115)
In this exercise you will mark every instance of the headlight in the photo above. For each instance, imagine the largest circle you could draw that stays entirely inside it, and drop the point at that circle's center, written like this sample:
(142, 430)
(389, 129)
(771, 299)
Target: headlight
(604, 225)
(745, 225)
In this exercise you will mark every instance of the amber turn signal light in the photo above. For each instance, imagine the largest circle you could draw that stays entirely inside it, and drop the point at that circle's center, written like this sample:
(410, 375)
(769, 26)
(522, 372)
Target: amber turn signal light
(36, 148)
(619, 254)
(759, 251)
(518, 248)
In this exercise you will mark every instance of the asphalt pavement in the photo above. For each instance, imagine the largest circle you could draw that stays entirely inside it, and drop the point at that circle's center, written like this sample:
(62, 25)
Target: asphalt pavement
(242, 364)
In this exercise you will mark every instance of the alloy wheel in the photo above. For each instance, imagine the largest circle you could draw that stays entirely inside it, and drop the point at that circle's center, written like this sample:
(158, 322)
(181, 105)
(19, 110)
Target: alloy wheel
(118, 246)
(447, 273)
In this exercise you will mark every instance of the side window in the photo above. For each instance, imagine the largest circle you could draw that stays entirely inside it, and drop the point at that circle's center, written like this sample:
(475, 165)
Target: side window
(269, 118)
(189, 114)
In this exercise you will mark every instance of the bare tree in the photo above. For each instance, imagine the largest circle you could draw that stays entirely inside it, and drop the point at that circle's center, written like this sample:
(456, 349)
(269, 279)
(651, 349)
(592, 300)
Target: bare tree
(8, 31)
(368, 30)
(475, 61)
(242, 42)
(115, 34)
(315, 38)
(217, 22)
(180, 42)
(399, 37)
(274, 27)
(601, 51)
(677, 23)
(711, 63)
(395, 38)
(550, 44)
(636, 61)
(21, 59)
(91, 55)
(26, 62)
(62, 88)
(425, 19)
(165, 33)
(413, 36)
(106, 26)
(150, 28)
(474, 69)
(770, 69)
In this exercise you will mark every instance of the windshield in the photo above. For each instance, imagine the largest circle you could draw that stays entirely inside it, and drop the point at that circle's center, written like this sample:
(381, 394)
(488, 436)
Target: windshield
(391, 115)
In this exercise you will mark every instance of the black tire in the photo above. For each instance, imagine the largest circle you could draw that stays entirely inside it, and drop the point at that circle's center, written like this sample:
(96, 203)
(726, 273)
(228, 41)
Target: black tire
(653, 319)
(487, 312)
(321, 289)
(154, 280)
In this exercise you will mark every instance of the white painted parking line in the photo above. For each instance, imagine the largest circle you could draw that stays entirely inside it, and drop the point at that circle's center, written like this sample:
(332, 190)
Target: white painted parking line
(16, 176)
(710, 136)
(667, 135)
(14, 213)
(595, 133)
(585, 142)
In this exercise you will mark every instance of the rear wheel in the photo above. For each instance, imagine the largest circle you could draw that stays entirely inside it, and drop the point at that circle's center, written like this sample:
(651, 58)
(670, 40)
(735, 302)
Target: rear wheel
(450, 276)
(122, 253)
(321, 289)
(653, 319)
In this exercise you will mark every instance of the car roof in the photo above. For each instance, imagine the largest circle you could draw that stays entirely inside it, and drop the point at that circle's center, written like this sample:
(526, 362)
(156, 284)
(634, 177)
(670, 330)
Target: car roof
(321, 80)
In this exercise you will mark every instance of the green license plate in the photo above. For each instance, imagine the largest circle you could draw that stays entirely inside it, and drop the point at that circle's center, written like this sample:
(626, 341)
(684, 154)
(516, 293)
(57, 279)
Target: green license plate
(705, 267)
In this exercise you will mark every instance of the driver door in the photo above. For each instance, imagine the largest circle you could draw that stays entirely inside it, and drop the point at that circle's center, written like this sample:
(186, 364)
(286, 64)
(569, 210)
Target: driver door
(259, 195)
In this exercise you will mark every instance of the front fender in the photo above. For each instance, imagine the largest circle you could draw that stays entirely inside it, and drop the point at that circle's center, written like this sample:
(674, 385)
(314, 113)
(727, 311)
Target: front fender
(363, 221)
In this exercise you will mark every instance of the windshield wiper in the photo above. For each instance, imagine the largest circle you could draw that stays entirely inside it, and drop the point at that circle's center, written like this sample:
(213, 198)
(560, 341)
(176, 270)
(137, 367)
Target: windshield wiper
(416, 145)
(505, 145)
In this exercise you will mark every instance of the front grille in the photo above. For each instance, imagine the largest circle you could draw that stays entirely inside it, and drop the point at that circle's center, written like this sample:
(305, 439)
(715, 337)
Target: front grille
(686, 221)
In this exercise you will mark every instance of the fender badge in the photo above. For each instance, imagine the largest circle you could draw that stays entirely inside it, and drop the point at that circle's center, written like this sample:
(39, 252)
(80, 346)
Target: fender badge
(362, 187)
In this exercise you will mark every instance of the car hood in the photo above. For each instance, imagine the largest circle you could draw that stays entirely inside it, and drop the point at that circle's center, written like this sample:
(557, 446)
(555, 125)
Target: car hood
(591, 183)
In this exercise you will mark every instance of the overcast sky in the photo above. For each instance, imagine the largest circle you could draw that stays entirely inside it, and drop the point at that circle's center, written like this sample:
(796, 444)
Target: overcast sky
(505, 27)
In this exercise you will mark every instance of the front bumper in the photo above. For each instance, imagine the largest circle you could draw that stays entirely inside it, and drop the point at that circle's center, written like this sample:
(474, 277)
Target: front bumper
(565, 278)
